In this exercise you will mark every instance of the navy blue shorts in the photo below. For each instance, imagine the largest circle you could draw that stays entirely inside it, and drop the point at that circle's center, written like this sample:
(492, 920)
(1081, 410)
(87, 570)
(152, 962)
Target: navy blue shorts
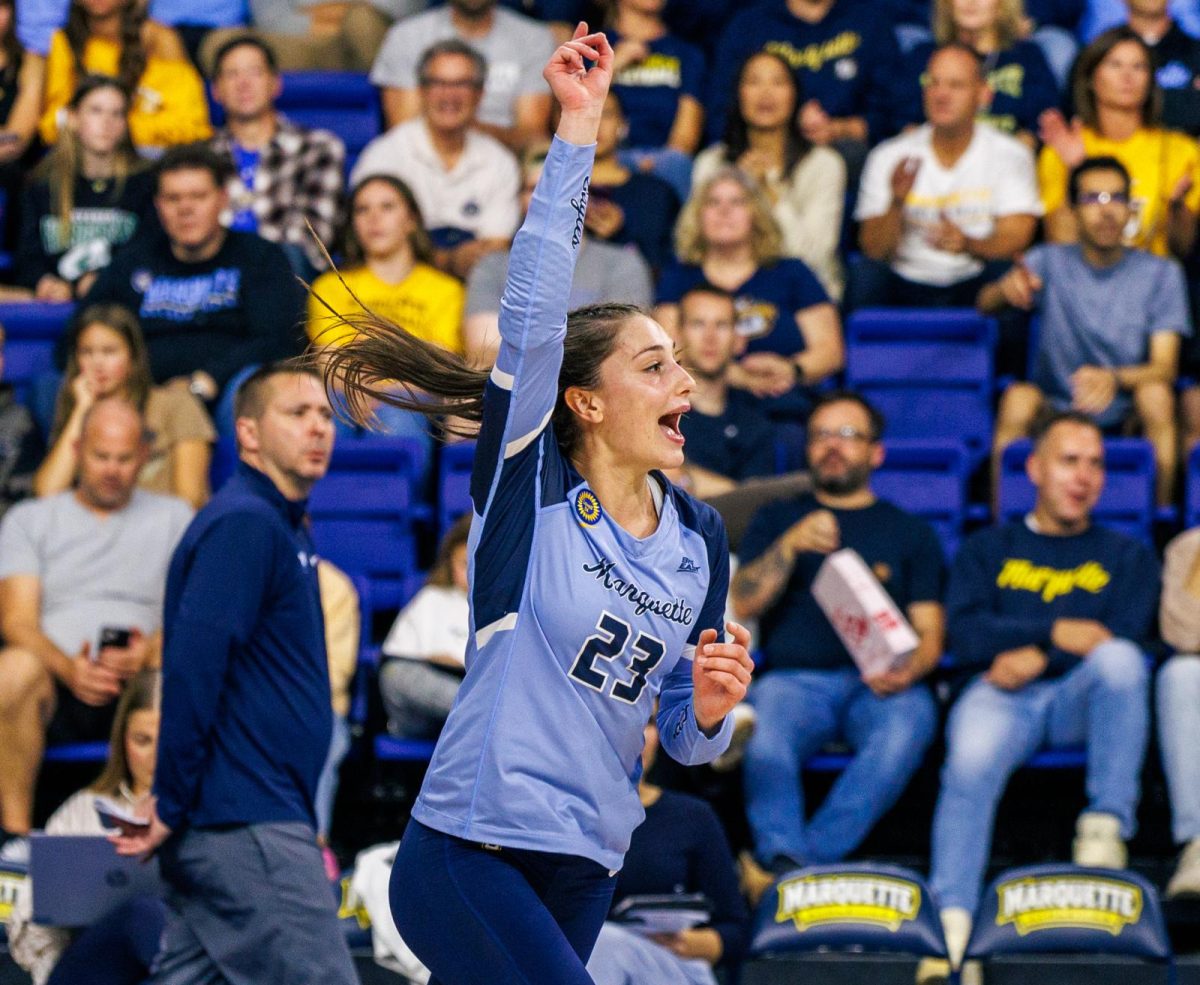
(506, 916)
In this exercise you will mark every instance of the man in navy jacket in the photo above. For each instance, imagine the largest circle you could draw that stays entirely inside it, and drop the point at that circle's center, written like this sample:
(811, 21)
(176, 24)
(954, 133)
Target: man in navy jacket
(246, 713)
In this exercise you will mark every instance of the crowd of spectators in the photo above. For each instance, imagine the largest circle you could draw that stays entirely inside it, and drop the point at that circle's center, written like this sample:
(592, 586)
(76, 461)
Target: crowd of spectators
(763, 170)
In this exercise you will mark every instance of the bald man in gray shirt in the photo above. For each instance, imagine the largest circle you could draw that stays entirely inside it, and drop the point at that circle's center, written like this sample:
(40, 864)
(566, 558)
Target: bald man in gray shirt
(70, 566)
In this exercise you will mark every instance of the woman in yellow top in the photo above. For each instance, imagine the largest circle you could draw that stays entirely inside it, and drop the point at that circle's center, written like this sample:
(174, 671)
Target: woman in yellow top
(389, 270)
(114, 37)
(1119, 105)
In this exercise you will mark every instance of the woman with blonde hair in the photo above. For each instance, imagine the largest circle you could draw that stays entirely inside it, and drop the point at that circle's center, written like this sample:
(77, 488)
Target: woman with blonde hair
(119, 949)
(115, 37)
(805, 183)
(1119, 107)
(727, 238)
(1022, 84)
(106, 357)
(91, 194)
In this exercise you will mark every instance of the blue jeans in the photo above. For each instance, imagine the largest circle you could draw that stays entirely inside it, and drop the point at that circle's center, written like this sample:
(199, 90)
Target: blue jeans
(327, 784)
(1103, 702)
(1178, 699)
(673, 166)
(799, 711)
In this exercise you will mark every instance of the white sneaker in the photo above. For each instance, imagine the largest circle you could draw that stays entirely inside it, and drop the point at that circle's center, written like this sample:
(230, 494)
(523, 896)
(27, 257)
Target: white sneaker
(744, 722)
(1098, 842)
(956, 926)
(1186, 880)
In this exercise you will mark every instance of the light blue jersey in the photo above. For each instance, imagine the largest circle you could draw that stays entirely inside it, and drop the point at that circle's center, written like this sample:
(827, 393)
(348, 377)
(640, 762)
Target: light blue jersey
(576, 626)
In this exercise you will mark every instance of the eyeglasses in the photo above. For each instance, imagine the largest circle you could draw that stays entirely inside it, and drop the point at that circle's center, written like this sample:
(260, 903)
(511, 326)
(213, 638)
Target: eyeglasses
(1102, 198)
(844, 433)
(429, 82)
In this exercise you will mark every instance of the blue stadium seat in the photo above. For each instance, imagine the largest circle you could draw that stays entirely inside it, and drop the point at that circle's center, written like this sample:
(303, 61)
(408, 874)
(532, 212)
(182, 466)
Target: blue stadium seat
(454, 483)
(363, 514)
(1127, 503)
(31, 331)
(929, 371)
(392, 750)
(1192, 502)
(77, 752)
(928, 479)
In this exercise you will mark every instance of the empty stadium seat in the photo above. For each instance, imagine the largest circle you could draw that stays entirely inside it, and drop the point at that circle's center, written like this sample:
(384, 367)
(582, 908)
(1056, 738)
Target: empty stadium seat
(454, 483)
(389, 749)
(929, 480)
(1127, 503)
(31, 332)
(929, 371)
(77, 752)
(363, 514)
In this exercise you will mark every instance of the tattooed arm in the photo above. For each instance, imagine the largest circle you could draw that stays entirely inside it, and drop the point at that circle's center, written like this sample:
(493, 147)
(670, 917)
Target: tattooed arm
(757, 585)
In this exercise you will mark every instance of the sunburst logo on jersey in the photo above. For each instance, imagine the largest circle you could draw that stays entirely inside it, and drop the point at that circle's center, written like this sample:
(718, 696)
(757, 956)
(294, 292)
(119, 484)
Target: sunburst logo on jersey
(587, 507)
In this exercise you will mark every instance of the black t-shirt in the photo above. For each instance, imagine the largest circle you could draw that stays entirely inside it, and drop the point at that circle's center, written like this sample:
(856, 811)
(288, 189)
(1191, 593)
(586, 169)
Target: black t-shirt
(738, 444)
(243, 306)
(1177, 68)
(900, 548)
(106, 214)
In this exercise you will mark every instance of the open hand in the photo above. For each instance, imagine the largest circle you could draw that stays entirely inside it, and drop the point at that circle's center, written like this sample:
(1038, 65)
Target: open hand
(143, 839)
(720, 675)
(1065, 138)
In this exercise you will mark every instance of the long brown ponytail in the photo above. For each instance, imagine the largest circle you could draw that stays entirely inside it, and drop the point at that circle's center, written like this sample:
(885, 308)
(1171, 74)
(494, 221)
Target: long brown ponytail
(384, 362)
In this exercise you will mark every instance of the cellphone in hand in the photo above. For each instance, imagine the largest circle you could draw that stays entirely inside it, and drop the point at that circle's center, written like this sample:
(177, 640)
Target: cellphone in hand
(115, 636)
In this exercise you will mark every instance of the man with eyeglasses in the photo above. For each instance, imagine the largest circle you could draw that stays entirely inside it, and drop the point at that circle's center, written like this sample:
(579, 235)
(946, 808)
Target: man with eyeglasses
(811, 692)
(516, 103)
(465, 182)
(1110, 322)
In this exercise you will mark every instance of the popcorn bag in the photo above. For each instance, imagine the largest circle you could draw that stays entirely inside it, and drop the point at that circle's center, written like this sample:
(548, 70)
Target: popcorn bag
(862, 613)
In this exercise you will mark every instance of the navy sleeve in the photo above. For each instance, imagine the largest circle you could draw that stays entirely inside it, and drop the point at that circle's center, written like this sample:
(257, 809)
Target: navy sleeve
(273, 307)
(215, 613)
(715, 876)
(805, 288)
(976, 632)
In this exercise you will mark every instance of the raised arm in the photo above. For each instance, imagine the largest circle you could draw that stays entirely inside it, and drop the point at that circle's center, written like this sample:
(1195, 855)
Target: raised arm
(533, 311)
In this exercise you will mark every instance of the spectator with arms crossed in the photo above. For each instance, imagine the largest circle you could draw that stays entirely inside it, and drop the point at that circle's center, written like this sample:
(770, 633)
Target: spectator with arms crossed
(812, 693)
(1047, 614)
(1111, 321)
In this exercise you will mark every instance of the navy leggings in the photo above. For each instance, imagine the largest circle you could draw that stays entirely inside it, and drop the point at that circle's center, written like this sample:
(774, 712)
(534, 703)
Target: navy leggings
(116, 950)
(505, 916)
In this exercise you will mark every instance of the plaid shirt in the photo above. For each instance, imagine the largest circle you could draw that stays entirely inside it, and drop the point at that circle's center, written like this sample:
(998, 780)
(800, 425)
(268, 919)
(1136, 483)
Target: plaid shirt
(300, 178)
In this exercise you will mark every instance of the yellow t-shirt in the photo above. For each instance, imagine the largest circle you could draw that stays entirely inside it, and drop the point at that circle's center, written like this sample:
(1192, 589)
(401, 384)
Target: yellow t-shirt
(1156, 160)
(169, 107)
(428, 303)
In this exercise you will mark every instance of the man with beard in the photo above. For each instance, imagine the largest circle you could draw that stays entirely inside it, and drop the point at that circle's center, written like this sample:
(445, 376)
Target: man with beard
(1111, 318)
(811, 692)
